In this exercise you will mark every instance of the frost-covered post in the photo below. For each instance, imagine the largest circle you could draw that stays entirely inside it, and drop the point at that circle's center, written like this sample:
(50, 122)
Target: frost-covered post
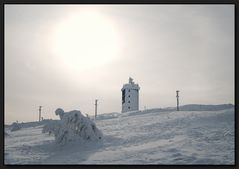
(40, 113)
(96, 108)
(177, 100)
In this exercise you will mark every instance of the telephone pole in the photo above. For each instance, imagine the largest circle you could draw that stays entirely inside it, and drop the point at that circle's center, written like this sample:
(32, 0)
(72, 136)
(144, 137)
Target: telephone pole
(177, 99)
(96, 107)
(40, 113)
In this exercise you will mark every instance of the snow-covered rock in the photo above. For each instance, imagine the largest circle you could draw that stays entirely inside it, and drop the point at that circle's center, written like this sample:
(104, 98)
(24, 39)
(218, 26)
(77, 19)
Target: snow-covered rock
(15, 126)
(73, 126)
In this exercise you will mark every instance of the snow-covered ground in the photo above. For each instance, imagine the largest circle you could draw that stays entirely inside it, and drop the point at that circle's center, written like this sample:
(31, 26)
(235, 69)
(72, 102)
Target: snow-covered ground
(155, 136)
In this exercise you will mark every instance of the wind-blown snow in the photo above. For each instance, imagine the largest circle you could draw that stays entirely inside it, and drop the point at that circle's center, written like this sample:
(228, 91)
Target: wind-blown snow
(154, 136)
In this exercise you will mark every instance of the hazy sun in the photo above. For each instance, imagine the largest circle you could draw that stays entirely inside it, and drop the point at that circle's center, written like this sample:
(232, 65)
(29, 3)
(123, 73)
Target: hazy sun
(85, 40)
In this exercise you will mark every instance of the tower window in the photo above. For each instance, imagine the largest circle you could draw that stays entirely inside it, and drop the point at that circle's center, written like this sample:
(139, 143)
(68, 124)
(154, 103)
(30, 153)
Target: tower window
(123, 96)
(129, 90)
(128, 107)
(129, 95)
(128, 101)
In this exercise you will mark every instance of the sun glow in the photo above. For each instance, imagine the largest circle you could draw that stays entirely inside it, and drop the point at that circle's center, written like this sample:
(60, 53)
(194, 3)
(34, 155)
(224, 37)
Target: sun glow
(86, 40)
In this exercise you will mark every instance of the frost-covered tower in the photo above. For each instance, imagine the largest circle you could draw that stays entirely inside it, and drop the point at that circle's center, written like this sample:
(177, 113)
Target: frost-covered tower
(130, 96)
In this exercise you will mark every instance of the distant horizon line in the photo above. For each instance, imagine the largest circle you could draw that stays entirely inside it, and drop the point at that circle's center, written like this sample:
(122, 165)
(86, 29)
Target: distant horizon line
(171, 107)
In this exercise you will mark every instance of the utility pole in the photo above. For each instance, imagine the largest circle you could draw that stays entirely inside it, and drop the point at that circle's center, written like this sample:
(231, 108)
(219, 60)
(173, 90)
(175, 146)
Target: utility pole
(177, 100)
(95, 108)
(40, 113)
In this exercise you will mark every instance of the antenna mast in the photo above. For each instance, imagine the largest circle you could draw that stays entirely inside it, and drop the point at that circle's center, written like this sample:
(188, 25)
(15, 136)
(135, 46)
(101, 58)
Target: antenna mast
(177, 99)
(40, 113)
(96, 107)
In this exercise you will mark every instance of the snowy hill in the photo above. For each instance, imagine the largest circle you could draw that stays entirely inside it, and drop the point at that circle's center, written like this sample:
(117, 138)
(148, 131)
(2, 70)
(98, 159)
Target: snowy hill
(198, 107)
(156, 136)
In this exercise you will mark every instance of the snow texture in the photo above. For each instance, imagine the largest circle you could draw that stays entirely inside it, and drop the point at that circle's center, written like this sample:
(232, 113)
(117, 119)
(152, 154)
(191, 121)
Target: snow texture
(51, 127)
(15, 127)
(6, 134)
(198, 107)
(155, 136)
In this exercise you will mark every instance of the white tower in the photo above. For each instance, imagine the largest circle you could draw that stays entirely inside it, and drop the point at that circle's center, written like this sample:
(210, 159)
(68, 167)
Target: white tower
(130, 96)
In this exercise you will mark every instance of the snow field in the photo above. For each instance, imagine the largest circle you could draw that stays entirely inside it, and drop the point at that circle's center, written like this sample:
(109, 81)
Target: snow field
(144, 137)
(171, 138)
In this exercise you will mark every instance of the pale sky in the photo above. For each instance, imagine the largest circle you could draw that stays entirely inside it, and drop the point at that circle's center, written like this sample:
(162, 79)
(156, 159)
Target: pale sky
(66, 56)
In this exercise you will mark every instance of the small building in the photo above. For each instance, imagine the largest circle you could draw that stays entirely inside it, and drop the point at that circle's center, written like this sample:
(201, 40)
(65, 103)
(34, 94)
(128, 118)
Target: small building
(130, 96)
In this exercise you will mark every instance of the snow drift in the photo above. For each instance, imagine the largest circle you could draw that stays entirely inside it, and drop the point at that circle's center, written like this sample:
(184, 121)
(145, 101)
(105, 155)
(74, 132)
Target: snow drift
(6, 134)
(73, 126)
(200, 107)
(15, 127)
